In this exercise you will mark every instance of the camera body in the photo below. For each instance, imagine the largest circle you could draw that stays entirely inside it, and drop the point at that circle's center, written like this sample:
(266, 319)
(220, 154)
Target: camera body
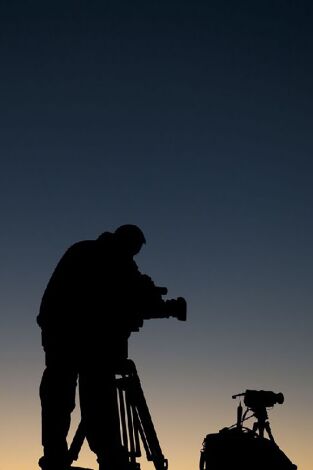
(262, 399)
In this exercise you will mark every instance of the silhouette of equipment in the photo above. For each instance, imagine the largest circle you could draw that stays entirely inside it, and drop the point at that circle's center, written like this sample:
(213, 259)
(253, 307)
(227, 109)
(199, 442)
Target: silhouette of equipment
(240, 448)
(135, 422)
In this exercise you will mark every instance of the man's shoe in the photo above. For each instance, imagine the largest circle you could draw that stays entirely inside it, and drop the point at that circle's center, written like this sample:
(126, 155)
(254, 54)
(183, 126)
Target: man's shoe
(44, 465)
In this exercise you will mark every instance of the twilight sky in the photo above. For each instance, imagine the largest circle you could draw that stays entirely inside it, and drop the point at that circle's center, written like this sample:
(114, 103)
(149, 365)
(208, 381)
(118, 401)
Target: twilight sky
(192, 119)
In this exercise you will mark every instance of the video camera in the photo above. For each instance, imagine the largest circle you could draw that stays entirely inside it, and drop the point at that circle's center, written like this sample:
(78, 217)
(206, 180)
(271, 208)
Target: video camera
(261, 399)
(152, 305)
(176, 308)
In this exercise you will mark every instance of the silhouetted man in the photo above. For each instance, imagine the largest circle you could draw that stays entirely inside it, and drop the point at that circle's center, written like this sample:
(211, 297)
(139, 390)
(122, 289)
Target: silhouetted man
(86, 316)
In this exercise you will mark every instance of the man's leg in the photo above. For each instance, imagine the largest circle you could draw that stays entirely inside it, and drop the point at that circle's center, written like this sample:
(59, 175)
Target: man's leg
(100, 415)
(57, 394)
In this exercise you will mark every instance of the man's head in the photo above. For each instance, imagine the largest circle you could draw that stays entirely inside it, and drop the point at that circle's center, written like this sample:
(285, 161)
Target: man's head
(130, 238)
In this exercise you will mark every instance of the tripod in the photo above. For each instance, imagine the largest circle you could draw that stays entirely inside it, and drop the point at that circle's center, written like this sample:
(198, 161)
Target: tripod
(262, 424)
(135, 422)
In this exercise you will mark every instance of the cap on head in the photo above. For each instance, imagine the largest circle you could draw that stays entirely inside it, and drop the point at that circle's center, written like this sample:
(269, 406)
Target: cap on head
(130, 237)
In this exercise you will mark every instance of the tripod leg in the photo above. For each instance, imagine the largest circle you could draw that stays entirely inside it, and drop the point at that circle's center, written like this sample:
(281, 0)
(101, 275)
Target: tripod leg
(122, 414)
(145, 425)
(77, 442)
(269, 431)
(129, 432)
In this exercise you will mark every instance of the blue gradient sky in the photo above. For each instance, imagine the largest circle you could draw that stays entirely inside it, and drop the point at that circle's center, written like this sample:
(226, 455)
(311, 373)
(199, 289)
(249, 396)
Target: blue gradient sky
(194, 121)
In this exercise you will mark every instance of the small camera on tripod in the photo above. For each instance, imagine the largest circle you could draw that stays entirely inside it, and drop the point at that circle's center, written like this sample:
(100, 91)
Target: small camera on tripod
(261, 398)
